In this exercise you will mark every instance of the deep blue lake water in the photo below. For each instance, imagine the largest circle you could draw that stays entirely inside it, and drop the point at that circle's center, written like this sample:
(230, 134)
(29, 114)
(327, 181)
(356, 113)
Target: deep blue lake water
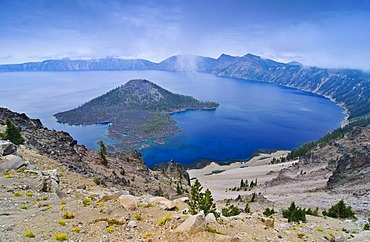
(252, 115)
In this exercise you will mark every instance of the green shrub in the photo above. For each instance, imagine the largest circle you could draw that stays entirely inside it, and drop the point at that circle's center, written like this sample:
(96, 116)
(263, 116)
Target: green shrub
(367, 226)
(68, 216)
(28, 233)
(247, 209)
(314, 212)
(320, 229)
(62, 222)
(86, 201)
(294, 213)
(268, 212)
(164, 220)
(110, 229)
(29, 193)
(75, 230)
(147, 235)
(340, 210)
(230, 211)
(60, 237)
(213, 230)
(138, 217)
(97, 181)
(24, 207)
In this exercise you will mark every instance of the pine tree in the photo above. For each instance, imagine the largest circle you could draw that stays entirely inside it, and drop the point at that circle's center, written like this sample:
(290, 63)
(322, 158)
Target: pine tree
(294, 213)
(12, 133)
(247, 209)
(253, 199)
(103, 153)
(103, 149)
(179, 188)
(206, 203)
(340, 210)
(195, 197)
(201, 201)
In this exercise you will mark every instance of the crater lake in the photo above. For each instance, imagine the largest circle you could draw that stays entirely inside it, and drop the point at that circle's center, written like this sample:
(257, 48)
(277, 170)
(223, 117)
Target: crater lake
(252, 115)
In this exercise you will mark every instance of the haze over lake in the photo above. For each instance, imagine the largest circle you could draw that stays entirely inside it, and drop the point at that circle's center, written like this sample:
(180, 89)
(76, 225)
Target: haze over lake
(252, 115)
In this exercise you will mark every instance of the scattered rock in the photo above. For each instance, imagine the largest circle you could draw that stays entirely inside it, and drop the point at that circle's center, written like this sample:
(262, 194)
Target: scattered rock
(268, 222)
(49, 181)
(226, 238)
(193, 224)
(132, 224)
(166, 204)
(7, 148)
(129, 202)
(12, 162)
(362, 236)
(113, 196)
(210, 218)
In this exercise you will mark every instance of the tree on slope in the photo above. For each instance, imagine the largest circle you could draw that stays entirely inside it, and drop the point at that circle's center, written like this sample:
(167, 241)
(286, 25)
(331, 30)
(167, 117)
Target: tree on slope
(12, 133)
(200, 201)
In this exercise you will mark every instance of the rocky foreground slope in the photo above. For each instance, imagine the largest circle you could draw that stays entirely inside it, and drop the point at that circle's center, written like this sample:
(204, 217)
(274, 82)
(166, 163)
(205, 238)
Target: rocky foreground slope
(51, 193)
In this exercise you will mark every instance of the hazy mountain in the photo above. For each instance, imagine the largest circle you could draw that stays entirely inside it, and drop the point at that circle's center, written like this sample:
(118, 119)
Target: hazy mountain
(187, 63)
(348, 87)
(80, 65)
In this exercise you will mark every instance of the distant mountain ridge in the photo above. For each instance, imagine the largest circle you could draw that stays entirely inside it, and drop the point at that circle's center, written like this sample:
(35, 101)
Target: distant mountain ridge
(351, 88)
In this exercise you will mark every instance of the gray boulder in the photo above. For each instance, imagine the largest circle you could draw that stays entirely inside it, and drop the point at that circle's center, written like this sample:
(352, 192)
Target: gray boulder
(129, 202)
(49, 181)
(7, 148)
(193, 224)
(12, 162)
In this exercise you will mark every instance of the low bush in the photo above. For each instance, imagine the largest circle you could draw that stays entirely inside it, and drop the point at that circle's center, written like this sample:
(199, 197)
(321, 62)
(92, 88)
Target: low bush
(68, 216)
(60, 237)
(268, 212)
(28, 233)
(230, 211)
(294, 213)
(340, 210)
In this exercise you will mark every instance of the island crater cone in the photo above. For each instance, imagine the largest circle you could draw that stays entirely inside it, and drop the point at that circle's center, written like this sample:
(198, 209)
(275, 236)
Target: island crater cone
(137, 111)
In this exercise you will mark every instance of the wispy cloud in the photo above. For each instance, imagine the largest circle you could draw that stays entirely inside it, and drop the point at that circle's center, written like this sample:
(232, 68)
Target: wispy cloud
(324, 33)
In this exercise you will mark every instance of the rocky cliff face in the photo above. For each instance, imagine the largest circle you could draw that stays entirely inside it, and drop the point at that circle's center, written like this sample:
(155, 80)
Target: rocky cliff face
(353, 168)
(342, 164)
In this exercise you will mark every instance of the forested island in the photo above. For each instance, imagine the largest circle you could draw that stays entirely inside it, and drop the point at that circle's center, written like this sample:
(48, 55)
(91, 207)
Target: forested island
(137, 111)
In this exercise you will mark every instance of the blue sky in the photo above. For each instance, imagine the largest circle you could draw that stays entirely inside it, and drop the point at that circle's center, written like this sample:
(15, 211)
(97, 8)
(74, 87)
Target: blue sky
(327, 33)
